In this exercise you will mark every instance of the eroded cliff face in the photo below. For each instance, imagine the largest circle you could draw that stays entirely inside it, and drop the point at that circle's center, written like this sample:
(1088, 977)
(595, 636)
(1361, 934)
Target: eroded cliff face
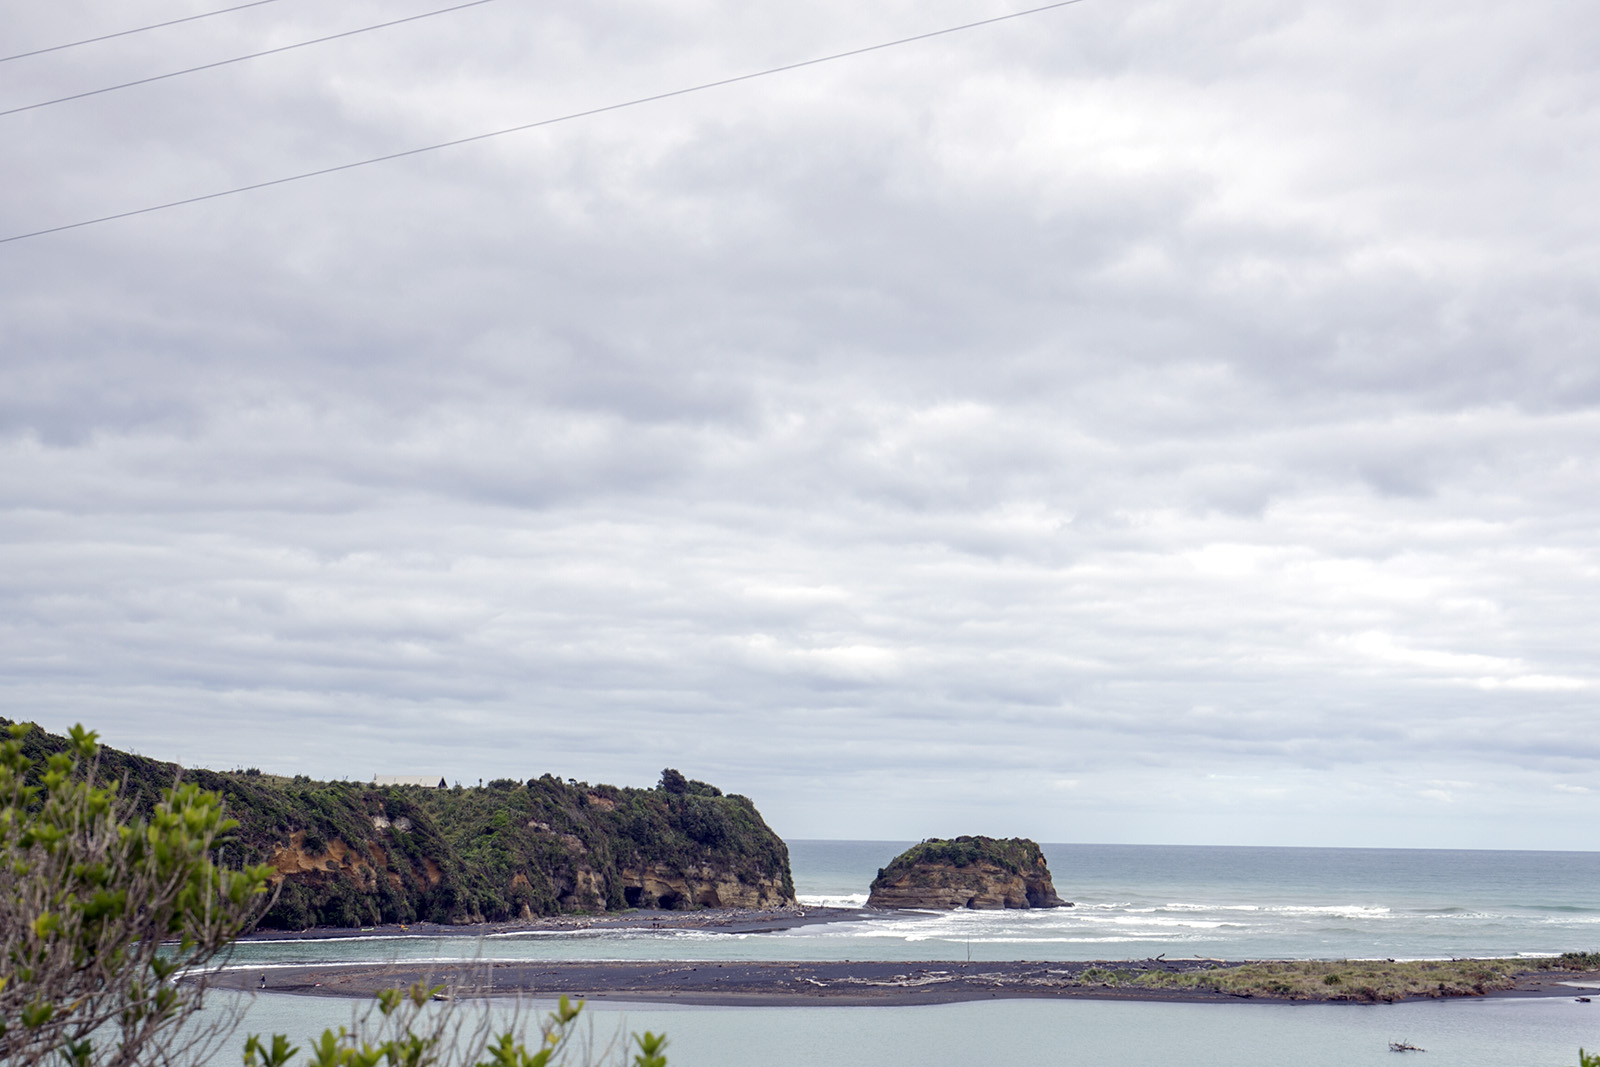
(373, 878)
(967, 872)
(295, 859)
(700, 886)
(585, 889)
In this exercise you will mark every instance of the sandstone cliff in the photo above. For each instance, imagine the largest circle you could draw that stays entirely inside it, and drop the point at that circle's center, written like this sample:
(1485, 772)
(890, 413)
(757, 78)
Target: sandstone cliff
(515, 850)
(704, 885)
(968, 872)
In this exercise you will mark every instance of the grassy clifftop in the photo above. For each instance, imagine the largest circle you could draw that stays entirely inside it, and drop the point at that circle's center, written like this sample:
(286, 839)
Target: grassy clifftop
(1013, 855)
(351, 854)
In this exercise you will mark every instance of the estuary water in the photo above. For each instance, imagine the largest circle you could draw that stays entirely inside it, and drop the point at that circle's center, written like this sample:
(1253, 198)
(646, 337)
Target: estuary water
(1041, 1033)
(1132, 901)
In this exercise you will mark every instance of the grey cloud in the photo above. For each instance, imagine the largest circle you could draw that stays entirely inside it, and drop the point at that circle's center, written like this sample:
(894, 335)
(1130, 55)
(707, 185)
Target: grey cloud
(1126, 405)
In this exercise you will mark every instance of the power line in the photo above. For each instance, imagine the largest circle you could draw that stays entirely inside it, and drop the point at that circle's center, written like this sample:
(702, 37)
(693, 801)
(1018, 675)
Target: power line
(136, 29)
(542, 122)
(241, 59)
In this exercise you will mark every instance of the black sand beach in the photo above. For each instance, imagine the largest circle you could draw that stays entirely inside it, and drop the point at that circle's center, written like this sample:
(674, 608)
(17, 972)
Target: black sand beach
(863, 982)
(712, 983)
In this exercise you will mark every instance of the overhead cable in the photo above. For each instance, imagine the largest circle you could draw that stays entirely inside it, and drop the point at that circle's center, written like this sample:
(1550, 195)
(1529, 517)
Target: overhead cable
(541, 122)
(136, 29)
(241, 59)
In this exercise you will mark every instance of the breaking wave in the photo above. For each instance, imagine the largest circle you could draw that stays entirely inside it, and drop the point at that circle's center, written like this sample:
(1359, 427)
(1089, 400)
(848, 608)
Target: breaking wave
(843, 900)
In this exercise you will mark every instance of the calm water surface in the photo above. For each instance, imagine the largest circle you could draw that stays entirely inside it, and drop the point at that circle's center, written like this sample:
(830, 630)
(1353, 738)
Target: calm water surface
(1492, 1033)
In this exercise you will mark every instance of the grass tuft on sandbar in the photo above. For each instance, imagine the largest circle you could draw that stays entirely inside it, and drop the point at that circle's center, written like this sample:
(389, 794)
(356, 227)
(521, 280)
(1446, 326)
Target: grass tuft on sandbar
(1365, 981)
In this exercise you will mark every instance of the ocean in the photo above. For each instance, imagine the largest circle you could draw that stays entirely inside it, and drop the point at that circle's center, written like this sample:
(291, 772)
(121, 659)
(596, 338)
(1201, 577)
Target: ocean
(1249, 903)
(1132, 902)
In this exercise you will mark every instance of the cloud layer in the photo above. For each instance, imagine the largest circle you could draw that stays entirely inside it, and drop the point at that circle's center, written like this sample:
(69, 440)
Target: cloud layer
(1136, 422)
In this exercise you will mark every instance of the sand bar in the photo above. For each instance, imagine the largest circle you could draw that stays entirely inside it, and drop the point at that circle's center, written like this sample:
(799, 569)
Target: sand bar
(726, 983)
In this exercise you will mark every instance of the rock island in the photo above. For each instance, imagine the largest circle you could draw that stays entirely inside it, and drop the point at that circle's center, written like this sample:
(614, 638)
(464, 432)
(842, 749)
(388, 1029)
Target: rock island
(967, 872)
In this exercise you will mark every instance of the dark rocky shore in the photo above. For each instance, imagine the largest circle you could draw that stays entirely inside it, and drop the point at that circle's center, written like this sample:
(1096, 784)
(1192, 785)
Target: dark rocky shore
(711, 983)
(721, 920)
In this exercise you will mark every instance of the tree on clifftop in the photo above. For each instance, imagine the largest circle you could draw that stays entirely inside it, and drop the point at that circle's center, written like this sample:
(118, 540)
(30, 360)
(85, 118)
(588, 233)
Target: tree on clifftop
(675, 783)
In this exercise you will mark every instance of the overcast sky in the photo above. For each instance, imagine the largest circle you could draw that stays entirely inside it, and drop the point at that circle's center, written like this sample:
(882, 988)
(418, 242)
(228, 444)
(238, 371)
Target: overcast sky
(1148, 420)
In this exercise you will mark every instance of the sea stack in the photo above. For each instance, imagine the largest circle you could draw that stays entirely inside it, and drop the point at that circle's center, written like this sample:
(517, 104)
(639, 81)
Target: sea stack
(967, 872)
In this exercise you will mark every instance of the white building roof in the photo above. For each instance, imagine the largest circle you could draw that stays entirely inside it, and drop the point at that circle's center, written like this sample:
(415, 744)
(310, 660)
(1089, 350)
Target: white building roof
(431, 781)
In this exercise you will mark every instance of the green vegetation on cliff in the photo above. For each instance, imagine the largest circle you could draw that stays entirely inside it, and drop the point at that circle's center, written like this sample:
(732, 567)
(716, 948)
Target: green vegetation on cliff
(1014, 855)
(355, 855)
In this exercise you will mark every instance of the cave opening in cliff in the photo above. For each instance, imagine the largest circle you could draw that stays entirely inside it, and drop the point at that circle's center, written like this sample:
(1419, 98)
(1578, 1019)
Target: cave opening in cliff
(633, 896)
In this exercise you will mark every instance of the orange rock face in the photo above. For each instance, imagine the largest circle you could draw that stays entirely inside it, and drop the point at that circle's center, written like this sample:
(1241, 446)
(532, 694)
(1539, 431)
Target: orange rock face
(657, 886)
